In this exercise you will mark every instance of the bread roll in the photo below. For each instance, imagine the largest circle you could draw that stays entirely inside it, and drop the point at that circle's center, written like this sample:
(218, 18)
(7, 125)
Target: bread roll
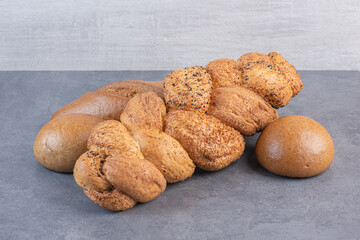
(61, 141)
(165, 153)
(113, 172)
(224, 72)
(295, 146)
(210, 144)
(241, 109)
(288, 70)
(188, 89)
(145, 110)
(111, 138)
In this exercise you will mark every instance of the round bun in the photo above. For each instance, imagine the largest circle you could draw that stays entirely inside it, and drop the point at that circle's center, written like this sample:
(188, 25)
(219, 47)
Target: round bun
(61, 141)
(295, 146)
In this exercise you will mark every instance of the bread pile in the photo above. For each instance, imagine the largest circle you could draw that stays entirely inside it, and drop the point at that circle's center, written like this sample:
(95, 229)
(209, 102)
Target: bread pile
(128, 139)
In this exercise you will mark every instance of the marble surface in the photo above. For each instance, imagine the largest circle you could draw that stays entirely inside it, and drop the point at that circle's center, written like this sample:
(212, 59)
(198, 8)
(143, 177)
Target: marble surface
(243, 201)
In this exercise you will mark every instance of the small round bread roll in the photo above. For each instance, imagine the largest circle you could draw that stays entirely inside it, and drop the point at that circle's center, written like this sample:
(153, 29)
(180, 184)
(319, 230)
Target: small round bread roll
(295, 146)
(61, 141)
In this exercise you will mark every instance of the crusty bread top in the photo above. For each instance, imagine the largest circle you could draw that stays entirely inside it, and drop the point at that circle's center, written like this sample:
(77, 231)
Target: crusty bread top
(129, 88)
(295, 146)
(288, 70)
(145, 110)
(61, 141)
(224, 72)
(210, 144)
(188, 89)
(241, 109)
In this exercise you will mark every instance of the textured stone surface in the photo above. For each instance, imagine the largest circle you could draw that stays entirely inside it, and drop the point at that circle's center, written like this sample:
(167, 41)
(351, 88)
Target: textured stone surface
(242, 201)
(157, 35)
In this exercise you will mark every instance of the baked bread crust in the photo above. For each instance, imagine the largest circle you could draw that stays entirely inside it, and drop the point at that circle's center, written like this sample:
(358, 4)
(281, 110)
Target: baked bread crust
(114, 173)
(241, 109)
(104, 105)
(295, 146)
(109, 101)
(210, 144)
(188, 89)
(224, 72)
(165, 153)
(111, 138)
(145, 110)
(61, 141)
(288, 70)
(268, 82)
(129, 88)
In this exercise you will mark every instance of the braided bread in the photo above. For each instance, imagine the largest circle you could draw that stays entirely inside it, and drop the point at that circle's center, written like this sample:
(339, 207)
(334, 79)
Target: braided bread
(196, 117)
(114, 173)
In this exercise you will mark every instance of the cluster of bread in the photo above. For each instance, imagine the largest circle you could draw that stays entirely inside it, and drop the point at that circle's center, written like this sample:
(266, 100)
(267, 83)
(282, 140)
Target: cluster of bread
(130, 138)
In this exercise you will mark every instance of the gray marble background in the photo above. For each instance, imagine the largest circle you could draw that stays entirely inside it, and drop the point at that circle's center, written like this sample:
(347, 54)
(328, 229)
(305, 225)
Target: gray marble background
(157, 35)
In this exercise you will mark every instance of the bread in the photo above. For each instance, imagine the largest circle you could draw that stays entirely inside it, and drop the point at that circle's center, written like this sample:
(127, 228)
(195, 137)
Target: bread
(210, 144)
(128, 89)
(165, 153)
(144, 110)
(295, 146)
(224, 72)
(241, 109)
(188, 89)
(118, 182)
(111, 138)
(61, 141)
(113, 172)
(253, 58)
(264, 79)
(288, 70)
(109, 101)
(104, 105)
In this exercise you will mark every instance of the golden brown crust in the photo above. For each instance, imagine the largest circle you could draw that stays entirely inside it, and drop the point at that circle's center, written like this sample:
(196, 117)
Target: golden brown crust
(268, 82)
(224, 72)
(295, 146)
(128, 89)
(253, 58)
(165, 153)
(188, 89)
(111, 138)
(210, 144)
(145, 110)
(61, 141)
(113, 172)
(241, 109)
(113, 200)
(288, 70)
(88, 174)
(136, 177)
(101, 104)
(109, 101)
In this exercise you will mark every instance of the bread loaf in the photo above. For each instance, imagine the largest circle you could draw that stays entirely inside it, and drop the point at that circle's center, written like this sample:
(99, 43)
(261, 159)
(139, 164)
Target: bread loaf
(61, 141)
(109, 101)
